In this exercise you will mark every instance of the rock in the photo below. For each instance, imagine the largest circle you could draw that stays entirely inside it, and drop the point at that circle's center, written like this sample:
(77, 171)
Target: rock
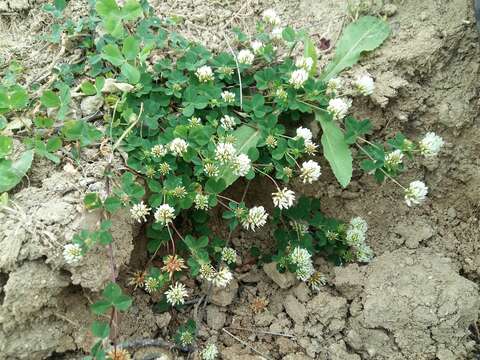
(297, 356)
(302, 292)
(111, 86)
(162, 320)
(414, 234)
(295, 309)
(349, 280)
(389, 10)
(338, 351)
(325, 307)
(90, 105)
(215, 317)
(224, 296)
(265, 318)
(153, 352)
(284, 280)
(414, 303)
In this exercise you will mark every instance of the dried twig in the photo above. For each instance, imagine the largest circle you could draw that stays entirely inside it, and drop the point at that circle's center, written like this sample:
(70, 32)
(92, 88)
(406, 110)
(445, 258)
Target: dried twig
(261, 332)
(245, 344)
(153, 342)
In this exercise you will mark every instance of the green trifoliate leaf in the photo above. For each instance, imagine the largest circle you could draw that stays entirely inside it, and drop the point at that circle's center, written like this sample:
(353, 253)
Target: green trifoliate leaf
(365, 34)
(12, 172)
(50, 100)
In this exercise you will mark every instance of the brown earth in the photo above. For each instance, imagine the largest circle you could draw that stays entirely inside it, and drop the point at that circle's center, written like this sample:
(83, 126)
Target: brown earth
(416, 300)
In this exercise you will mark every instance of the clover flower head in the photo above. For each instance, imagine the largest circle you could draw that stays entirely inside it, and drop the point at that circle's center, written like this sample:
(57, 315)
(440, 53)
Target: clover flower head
(186, 338)
(310, 148)
(304, 133)
(152, 284)
(241, 165)
(303, 260)
(139, 212)
(179, 192)
(364, 85)
(194, 121)
(246, 57)
(316, 281)
(227, 122)
(355, 236)
(270, 17)
(164, 168)
(415, 194)
(222, 277)
(310, 172)
(72, 253)
(333, 86)
(339, 107)
(271, 141)
(305, 63)
(364, 253)
(176, 294)
(298, 78)
(178, 146)
(211, 170)
(173, 264)
(164, 214)
(277, 33)
(204, 73)
(159, 150)
(281, 94)
(283, 199)
(119, 354)
(394, 158)
(210, 352)
(256, 218)
(226, 70)
(305, 271)
(431, 144)
(225, 152)
(207, 272)
(359, 224)
(256, 46)
(229, 255)
(201, 202)
(228, 97)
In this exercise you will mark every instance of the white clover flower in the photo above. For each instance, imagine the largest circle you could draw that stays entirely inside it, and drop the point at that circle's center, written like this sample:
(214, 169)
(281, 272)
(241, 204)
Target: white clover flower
(277, 33)
(223, 277)
(176, 294)
(317, 280)
(241, 165)
(394, 158)
(159, 150)
(229, 255)
(139, 212)
(210, 352)
(164, 214)
(152, 284)
(339, 107)
(207, 272)
(204, 73)
(178, 146)
(304, 133)
(416, 193)
(256, 46)
(304, 63)
(431, 144)
(310, 148)
(364, 253)
(227, 122)
(364, 85)
(355, 236)
(310, 172)
(257, 217)
(246, 57)
(225, 152)
(228, 97)
(281, 94)
(334, 85)
(195, 121)
(298, 78)
(303, 260)
(283, 199)
(211, 170)
(359, 224)
(270, 17)
(201, 202)
(72, 253)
